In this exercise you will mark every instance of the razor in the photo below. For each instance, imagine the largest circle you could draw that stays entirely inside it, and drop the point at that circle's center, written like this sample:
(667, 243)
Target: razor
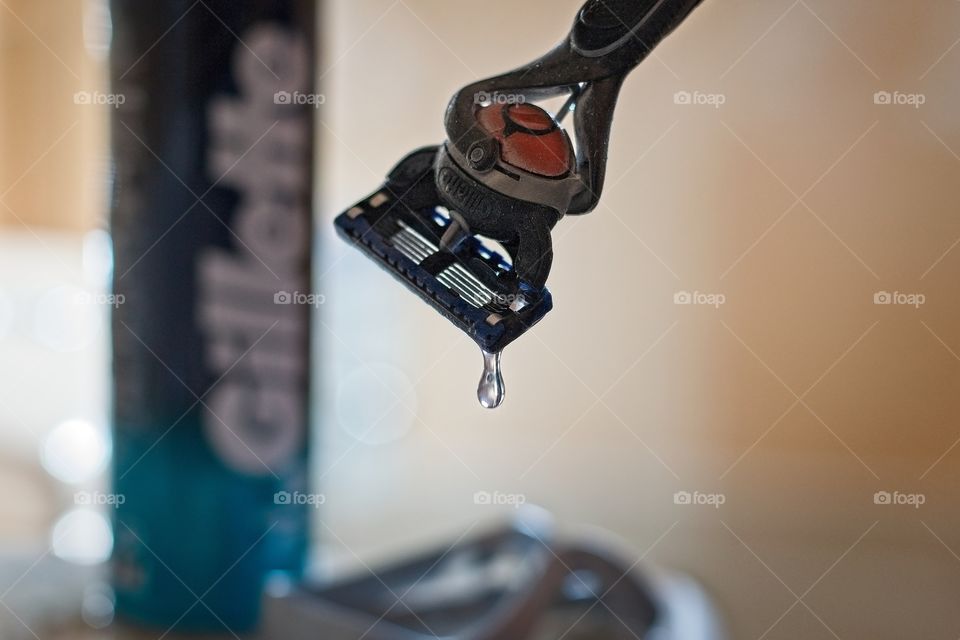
(467, 225)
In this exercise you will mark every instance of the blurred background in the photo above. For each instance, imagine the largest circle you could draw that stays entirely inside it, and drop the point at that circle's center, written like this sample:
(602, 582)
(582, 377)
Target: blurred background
(751, 374)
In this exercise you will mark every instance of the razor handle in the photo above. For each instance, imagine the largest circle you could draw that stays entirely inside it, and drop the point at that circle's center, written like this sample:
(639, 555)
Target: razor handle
(508, 169)
(608, 40)
(624, 32)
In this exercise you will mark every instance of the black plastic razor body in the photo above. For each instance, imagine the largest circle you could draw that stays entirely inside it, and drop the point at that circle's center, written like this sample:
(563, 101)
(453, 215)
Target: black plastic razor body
(508, 173)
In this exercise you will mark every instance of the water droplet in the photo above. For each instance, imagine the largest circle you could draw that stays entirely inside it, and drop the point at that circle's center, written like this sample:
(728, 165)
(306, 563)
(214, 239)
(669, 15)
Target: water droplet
(490, 392)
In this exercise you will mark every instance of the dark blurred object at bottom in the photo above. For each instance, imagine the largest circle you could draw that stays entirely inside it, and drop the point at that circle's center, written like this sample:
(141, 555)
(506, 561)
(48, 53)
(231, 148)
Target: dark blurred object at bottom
(519, 583)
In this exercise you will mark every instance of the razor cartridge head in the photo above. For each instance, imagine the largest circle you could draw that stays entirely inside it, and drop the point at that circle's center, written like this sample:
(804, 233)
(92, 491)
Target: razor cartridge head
(406, 228)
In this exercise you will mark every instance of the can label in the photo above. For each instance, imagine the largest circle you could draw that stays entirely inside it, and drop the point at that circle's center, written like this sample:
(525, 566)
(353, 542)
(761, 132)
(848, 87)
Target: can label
(253, 336)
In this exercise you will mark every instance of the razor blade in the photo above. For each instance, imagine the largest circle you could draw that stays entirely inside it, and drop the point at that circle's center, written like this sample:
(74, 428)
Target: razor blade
(406, 228)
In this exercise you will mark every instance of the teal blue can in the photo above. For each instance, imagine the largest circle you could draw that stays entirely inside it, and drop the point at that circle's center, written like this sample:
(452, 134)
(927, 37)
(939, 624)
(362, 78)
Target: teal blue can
(211, 221)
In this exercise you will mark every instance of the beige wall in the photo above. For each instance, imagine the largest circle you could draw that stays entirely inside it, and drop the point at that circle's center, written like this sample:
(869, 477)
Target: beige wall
(697, 199)
(53, 163)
